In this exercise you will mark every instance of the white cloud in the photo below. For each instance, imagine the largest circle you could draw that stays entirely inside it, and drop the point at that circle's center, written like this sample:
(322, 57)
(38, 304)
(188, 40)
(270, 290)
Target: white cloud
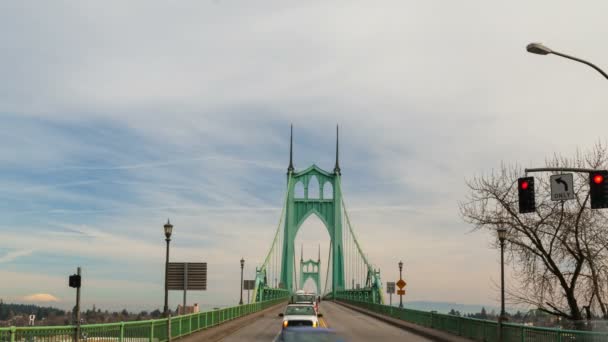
(11, 256)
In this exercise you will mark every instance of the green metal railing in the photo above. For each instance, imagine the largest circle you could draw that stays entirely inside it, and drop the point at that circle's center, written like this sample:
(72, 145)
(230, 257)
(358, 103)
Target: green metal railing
(365, 294)
(477, 329)
(265, 293)
(136, 331)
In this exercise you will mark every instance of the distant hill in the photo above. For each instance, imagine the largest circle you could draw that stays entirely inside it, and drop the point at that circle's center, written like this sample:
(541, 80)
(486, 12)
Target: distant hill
(8, 311)
(444, 307)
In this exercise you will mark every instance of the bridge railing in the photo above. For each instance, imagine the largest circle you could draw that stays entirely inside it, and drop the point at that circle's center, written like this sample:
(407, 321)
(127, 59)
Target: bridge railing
(135, 331)
(268, 293)
(477, 329)
(365, 294)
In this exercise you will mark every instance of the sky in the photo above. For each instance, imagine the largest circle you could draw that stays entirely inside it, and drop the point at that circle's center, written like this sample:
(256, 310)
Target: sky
(117, 115)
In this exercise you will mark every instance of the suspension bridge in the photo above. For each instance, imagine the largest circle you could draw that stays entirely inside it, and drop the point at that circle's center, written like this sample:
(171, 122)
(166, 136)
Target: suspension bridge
(353, 302)
(349, 272)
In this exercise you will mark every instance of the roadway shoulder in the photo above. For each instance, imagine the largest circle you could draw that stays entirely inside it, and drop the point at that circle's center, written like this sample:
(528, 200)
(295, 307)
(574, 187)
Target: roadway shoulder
(226, 329)
(429, 333)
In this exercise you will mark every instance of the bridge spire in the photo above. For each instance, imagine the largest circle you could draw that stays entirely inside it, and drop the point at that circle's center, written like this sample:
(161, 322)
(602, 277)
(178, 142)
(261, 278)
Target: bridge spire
(290, 168)
(302, 253)
(319, 259)
(337, 167)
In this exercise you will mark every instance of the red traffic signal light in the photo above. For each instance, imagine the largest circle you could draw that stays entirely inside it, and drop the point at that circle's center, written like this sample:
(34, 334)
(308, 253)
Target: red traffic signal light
(525, 191)
(598, 179)
(598, 189)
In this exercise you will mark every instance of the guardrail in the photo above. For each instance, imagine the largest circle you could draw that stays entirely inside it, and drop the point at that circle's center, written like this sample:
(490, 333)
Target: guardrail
(478, 329)
(157, 330)
(269, 293)
(365, 294)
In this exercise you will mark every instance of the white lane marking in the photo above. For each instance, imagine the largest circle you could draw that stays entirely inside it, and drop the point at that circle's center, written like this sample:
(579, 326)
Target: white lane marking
(277, 336)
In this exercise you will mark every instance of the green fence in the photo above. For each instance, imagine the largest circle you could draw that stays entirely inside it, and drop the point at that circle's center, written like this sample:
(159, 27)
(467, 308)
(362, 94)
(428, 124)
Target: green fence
(477, 329)
(136, 331)
(364, 294)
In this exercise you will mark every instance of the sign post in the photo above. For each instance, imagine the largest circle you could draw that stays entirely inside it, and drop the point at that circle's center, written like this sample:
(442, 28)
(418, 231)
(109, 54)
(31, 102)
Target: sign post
(390, 289)
(187, 276)
(185, 285)
(401, 292)
(249, 285)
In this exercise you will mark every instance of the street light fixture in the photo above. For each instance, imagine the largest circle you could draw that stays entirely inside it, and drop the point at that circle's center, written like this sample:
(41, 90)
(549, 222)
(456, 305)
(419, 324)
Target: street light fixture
(242, 265)
(540, 49)
(168, 231)
(502, 233)
(502, 236)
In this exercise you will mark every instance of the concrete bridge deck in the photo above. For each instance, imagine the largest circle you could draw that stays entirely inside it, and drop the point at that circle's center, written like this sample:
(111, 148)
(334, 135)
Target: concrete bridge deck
(349, 324)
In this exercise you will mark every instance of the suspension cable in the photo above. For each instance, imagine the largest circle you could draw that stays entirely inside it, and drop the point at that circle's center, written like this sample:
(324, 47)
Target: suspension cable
(295, 273)
(276, 235)
(327, 273)
(358, 246)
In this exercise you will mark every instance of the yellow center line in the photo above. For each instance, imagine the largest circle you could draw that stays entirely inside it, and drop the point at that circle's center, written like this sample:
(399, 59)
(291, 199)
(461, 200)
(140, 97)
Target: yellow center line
(323, 324)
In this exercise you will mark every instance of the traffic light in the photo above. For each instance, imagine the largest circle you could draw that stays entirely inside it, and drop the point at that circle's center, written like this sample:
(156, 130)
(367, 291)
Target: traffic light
(598, 189)
(75, 281)
(525, 188)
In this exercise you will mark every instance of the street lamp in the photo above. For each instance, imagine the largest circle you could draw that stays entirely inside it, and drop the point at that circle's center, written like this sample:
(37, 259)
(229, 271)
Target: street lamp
(400, 277)
(168, 230)
(242, 265)
(502, 236)
(540, 49)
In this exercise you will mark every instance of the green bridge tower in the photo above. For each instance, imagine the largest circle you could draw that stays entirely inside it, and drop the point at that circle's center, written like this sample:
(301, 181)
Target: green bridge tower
(329, 210)
(310, 269)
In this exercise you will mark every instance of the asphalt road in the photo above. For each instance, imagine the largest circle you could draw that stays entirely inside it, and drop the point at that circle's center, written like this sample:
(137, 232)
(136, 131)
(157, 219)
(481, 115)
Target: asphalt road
(351, 325)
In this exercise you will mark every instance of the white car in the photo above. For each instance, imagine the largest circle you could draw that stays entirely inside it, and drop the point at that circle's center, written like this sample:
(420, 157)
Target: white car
(305, 298)
(300, 315)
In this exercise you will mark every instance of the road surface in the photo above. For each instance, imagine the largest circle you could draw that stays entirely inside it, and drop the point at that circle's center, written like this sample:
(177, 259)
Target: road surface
(350, 325)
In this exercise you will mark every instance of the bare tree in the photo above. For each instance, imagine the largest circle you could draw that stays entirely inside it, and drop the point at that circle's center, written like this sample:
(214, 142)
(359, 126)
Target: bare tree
(559, 252)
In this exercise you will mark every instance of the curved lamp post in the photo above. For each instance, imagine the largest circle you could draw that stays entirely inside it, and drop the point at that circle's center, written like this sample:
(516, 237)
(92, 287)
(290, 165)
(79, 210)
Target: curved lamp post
(540, 49)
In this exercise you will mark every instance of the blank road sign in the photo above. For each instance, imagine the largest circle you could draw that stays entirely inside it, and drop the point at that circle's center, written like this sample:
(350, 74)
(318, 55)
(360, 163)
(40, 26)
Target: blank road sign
(248, 284)
(562, 187)
(390, 287)
(187, 276)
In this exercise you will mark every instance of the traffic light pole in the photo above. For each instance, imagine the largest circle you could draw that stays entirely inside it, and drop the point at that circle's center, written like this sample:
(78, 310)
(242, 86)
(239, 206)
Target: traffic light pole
(77, 337)
(598, 187)
(560, 169)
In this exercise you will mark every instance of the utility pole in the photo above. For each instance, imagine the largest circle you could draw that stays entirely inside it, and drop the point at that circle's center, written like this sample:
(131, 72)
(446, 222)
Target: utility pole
(78, 299)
